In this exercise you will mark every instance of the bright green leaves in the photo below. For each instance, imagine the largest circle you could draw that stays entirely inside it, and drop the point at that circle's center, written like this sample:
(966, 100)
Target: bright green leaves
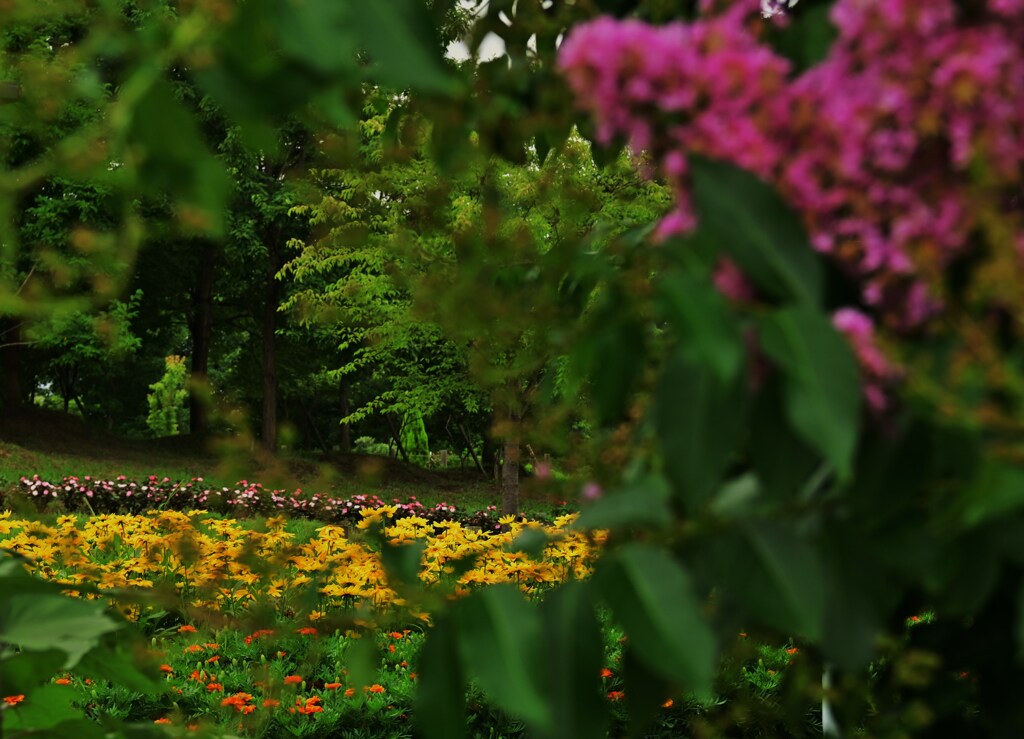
(654, 599)
(749, 221)
(700, 420)
(820, 381)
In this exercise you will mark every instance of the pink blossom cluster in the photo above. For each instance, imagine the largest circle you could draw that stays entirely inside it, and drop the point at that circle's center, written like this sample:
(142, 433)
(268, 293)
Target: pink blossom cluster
(879, 373)
(880, 146)
(246, 498)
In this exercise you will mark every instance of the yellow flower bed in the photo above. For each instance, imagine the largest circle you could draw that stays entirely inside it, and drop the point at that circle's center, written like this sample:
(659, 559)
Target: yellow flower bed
(229, 564)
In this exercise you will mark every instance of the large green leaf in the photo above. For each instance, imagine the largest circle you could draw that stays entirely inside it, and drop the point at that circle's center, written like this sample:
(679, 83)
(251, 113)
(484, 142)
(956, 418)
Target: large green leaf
(782, 459)
(573, 657)
(41, 621)
(441, 689)
(708, 333)
(749, 220)
(701, 422)
(774, 576)
(644, 502)
(21, 672)
(645, 690)
(398, 35)
(43, 708)
(653, 598)
(821, 381)
(111, 661)
(174, 158)
(499, 637)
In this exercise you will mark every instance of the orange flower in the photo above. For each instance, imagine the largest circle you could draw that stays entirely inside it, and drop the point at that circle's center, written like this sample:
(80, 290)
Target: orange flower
(792, 650)
(616, 695)
(307, 631)
(63, 681)
(668, 703)
(187, 629)
(396, 634)
(349, 692)
(13, 700)
(375, 688)
(391, 647)
(271, 702)
(163, 720)
(743, 635)
(212, 646)
(914, 619)
(214, 687)
(293, 680)
(166, 668)
(239, 701)
(413, 676)
(193, 648)
(214, 658)
(605, 672)
(332, 686)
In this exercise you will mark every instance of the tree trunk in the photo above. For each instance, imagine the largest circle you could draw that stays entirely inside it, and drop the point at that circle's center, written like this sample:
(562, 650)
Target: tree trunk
(10, 340)
(510, 477)
(510, 468)
(396, 433)
(346, 430)
(269, 434)
(201, 328)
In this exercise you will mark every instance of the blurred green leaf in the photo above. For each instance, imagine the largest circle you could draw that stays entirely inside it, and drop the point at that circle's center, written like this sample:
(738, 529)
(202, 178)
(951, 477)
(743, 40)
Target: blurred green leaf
(573, 658)
(653, 598)
(774, 575)
(402, 562)
(441, 689)
(701, 422)
(644, 502)
(39, 621)
(708, 333)
(499, 637)
(758, 229)
(46, 707)
(998, 491)
(783, 460)
(110, 662)
(645, 689)
(821, 381)
(399, 36)
(21, 673)
(174, 158)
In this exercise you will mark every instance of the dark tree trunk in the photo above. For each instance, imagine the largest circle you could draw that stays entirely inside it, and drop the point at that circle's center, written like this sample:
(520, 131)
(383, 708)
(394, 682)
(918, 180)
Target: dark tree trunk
(269, 432)
(10, 340)
(396, 434)
(510, 477)
(201, 328)
(346, 430)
